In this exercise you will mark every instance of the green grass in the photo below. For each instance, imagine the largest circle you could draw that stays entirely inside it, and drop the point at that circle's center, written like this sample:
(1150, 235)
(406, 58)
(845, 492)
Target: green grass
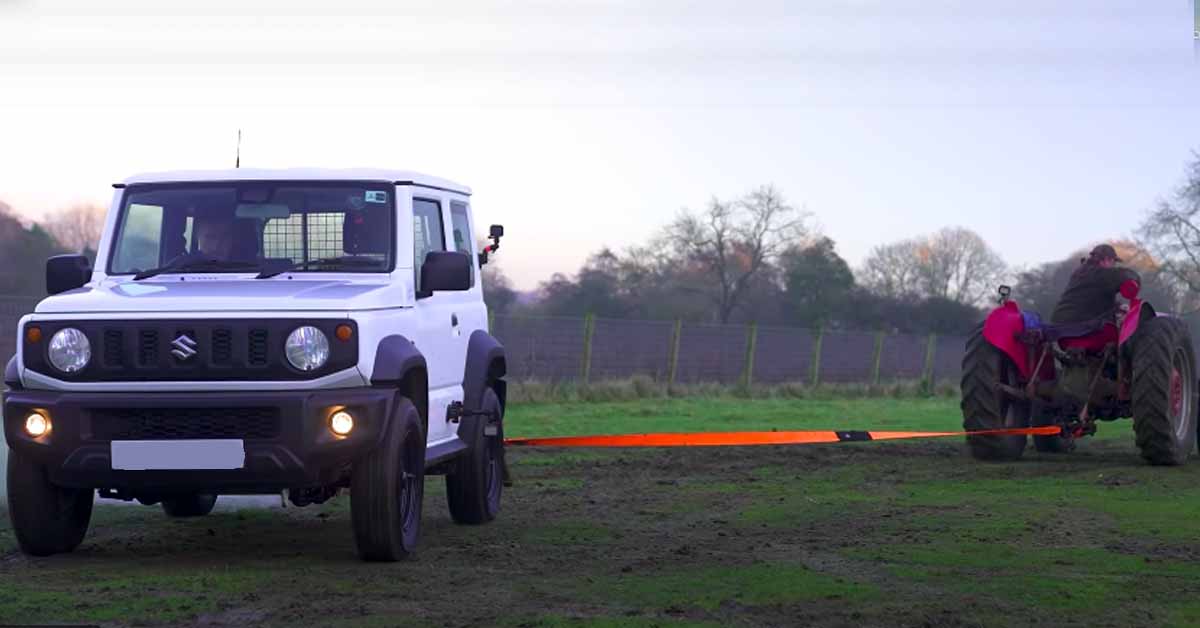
(728, 413)
(876, 534)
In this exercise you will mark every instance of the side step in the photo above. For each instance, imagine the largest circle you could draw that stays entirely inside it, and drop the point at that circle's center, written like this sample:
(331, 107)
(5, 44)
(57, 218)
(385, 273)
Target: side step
(443, 452)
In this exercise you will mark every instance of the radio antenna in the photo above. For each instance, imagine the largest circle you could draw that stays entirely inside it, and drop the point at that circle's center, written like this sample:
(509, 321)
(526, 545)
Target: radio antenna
(238, 161)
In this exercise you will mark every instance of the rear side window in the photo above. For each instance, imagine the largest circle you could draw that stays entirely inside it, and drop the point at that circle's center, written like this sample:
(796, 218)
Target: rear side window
(428, 233)
(462, 231)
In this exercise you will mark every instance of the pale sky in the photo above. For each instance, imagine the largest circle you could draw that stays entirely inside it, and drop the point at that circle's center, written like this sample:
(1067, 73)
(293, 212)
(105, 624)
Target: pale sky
(1042, 125)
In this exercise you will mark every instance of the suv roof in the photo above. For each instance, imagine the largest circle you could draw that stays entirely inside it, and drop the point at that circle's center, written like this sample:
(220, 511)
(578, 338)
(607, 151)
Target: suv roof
(298, 174)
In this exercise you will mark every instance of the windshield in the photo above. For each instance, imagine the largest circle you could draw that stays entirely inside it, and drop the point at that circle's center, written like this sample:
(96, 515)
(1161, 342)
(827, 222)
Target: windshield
(241, 227)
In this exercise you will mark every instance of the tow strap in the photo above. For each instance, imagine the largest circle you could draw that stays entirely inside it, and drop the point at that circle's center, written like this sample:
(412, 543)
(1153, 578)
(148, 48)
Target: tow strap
(734, 439)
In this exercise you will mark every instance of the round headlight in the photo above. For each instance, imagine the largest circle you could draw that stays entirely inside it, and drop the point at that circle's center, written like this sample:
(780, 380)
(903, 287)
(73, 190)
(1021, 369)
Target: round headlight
(307, 348)
(69, 350)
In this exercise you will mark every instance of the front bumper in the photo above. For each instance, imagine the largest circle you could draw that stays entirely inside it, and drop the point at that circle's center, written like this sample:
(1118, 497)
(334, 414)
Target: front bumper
(300, 453)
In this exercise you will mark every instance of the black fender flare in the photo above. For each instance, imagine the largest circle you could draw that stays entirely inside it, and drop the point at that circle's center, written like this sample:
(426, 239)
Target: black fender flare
(12, 377)
(485, 365)
(400, 365)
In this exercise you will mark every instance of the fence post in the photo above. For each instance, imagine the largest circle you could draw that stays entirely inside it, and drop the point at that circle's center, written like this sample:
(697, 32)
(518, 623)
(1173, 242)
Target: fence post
(877, 359)
(816, 357)
(589, 328)
(673, 355)
(751, 344)
(927, 374)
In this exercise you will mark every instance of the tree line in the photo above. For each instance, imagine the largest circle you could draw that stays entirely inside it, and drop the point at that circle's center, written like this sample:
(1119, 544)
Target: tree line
(758, 258)
(24, 246)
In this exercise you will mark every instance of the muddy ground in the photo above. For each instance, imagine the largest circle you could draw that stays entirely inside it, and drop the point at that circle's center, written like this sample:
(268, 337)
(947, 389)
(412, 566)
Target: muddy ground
(911, 534)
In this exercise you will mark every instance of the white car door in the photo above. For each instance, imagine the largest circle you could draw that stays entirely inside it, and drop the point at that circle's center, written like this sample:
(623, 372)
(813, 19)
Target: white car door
(439, 335)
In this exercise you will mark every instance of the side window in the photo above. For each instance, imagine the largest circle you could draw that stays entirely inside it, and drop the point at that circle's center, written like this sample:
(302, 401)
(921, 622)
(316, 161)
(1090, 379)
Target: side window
(141, 235)
(428, 233)
(462, 232)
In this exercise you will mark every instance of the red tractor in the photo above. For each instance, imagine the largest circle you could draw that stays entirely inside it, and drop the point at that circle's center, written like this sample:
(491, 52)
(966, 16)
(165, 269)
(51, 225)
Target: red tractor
(1019, 372)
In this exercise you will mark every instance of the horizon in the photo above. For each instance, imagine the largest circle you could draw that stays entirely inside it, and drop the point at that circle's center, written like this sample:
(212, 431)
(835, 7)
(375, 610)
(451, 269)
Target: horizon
(1053, 126)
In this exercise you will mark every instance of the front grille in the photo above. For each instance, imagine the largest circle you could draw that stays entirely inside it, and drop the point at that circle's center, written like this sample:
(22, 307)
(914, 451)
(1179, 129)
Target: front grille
(233, 349)
(222, 346)
(258, 347)
(148, 347)
(114, 348)
(184, 423)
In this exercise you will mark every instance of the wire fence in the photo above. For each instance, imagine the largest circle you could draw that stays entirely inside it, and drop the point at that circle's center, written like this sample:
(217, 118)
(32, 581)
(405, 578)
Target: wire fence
(594, 349)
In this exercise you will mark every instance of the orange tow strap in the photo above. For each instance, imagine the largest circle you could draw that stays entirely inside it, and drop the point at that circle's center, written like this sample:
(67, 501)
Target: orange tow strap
(726, 439)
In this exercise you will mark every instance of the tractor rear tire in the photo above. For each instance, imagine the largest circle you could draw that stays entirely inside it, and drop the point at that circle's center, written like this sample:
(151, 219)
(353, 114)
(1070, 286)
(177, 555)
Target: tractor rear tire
(985, 407)
(1164, 391)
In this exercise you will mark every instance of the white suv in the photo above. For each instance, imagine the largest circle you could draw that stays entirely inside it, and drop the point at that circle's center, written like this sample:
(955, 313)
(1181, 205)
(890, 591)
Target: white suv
(253, 332)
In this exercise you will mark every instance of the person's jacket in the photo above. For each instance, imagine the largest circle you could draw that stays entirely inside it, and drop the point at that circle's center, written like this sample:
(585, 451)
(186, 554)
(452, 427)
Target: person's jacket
(1091, 293)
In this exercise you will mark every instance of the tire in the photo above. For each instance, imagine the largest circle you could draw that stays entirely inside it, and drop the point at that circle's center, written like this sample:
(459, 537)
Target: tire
(475, 484)
(1164, 391)
(984, 407)
(1049, 444)
(190, 505)
(387, 488)
(47, 519)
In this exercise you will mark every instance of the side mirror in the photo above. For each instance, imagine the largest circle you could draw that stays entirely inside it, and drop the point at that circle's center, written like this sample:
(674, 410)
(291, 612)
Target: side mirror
(67, 272)
(1130, 289)
(496, 232)
(444, 271)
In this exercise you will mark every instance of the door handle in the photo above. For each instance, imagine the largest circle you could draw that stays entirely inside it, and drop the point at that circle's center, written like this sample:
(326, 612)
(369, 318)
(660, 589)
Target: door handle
(454, 320)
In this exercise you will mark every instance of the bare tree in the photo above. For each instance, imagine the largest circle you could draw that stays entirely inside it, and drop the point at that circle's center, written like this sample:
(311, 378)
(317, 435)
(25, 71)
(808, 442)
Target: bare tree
(729, 244)
(954, 263)
(891, 270)
(78, 227)
(1171, 233)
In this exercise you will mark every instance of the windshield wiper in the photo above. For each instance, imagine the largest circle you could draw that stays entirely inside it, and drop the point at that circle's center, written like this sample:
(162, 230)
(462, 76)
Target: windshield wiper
(192, 262)
(357, 262)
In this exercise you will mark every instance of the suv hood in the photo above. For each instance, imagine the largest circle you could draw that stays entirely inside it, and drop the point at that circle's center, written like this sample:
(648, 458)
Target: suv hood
(211, 293)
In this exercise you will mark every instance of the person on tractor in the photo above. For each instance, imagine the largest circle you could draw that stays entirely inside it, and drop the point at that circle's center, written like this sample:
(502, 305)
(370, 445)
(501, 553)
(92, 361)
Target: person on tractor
(1092, 290)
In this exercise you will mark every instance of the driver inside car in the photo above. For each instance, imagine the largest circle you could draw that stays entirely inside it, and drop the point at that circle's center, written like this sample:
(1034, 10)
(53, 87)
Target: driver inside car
(213, 235)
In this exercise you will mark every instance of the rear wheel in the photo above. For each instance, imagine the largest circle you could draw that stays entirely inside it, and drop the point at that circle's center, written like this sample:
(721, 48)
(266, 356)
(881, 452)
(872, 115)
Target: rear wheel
(985, 407)
(1164, 391)
(190, 505)
(47, 519)
(387, 488)
(475, 484)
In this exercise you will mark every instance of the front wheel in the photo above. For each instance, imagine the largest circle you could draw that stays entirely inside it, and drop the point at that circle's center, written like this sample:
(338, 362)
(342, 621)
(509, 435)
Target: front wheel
(1164, 391)
(985, 407)
(387, 488)
(47, 519)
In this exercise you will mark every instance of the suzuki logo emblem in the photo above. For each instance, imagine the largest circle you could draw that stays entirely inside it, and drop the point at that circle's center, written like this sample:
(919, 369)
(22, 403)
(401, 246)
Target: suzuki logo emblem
(185, 347)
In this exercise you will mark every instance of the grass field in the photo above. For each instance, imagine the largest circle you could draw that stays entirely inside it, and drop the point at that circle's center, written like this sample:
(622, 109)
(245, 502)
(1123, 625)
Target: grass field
(883, 534)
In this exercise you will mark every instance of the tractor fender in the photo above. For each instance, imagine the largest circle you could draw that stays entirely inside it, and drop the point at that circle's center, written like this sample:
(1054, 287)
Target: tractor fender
(1138, 311)
(1000, 329)
(485, 365)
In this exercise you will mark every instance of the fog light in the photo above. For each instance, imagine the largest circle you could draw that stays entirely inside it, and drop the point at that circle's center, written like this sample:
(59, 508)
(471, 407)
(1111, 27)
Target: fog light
(36, 425)
(341, 423)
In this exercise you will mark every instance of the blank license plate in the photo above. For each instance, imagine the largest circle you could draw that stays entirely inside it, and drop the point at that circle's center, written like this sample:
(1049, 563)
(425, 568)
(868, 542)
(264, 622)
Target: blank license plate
(150, 455)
